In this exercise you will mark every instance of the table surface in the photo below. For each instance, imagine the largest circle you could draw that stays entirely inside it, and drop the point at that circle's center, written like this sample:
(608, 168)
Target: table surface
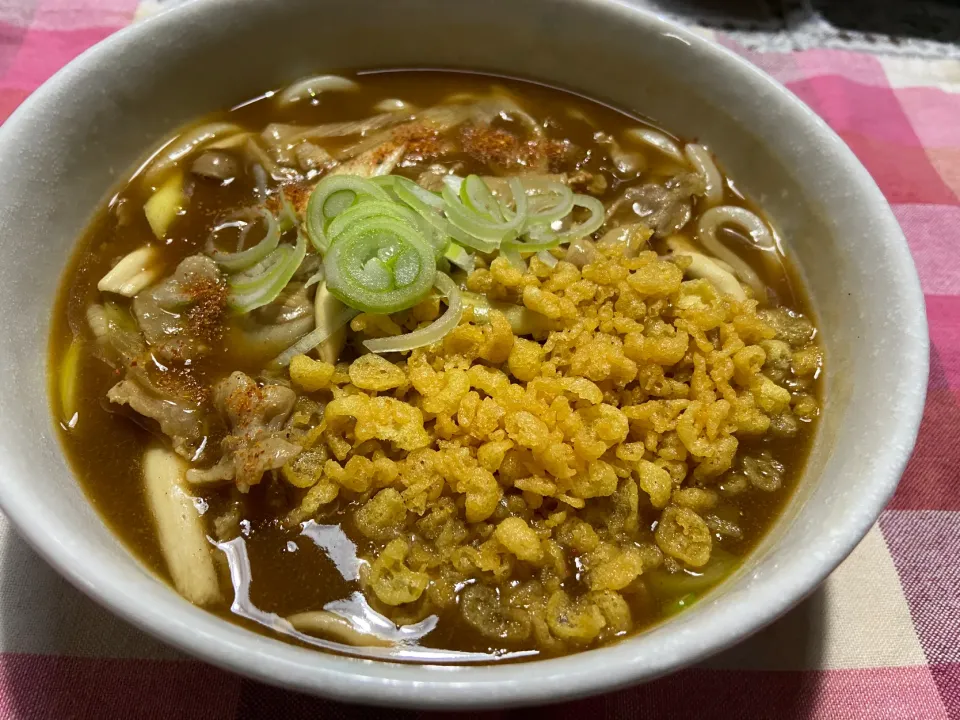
(879, 639)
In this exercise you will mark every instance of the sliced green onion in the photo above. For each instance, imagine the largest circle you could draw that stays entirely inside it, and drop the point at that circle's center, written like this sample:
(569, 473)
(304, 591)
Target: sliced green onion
(368, 209)
(248, 292)
(514, 257)
(430, 334)
(252, 278)
(589, 226)
(547, 259)
(460, 257)
(454, 182)
(547, 242)
(331, 196)
(476, 195)
(317, 277)
(439, 240)
(388, 183)
(519, 201)
(337, 202)
(425, 203)
(380, 265)
(549, 201)
(315, 337)
(288, 213)
(477, 224)
(235, 262)
(431, 199)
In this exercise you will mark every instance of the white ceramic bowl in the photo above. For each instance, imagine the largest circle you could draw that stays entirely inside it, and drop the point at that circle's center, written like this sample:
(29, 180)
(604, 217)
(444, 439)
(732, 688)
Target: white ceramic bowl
(67, 144)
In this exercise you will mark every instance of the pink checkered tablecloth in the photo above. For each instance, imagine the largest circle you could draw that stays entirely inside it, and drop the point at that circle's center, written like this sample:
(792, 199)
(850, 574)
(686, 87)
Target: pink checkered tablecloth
(880, 638)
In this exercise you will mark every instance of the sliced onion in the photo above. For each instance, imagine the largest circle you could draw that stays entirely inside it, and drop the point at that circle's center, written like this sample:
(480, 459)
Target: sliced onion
(258, 155)
(508, 108)
(283, 135)
(235, 262)
(184, 144)
(657, 140)
(216, 165)
(313, 86)
(348, 127)
(260, 181)
(377, 162)
(315, 337)
(626, 163)
(312, 157)
(700, 158)
(438, 118)
(433, 332)
(229, 142)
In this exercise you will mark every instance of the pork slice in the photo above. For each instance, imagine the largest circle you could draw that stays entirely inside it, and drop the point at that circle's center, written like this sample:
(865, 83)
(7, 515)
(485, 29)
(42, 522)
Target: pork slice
(666, 207)
(174, 405)
(182, 316)
(257, 441)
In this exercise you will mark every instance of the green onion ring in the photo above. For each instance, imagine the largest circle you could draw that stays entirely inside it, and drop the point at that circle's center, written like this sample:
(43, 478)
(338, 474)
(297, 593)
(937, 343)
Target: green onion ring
(370, 208)
(331, 196)
(549, 201)
(431, 199)
(380, 265)
(541, 233)
(238, 261)
(460, 257)
(252, 277)
(547, 243)
(425, 203)
(252, 293)
(476, 224)
(434, 332)
(476, 195)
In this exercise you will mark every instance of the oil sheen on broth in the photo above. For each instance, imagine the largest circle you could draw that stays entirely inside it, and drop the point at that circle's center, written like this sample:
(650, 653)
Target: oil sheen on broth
(543, 396)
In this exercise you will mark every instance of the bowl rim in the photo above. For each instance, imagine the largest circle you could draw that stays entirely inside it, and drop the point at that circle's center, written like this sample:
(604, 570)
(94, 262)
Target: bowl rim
(217, 641)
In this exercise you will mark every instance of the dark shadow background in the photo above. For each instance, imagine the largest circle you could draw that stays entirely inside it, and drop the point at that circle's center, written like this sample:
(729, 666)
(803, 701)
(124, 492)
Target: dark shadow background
(896, 20)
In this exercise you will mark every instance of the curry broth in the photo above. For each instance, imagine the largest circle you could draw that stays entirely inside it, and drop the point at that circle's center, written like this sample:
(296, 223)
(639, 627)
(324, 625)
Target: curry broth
(290, 573)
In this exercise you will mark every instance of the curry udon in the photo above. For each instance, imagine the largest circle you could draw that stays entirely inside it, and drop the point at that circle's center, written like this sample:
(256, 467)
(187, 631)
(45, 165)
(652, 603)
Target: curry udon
(434, 366)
